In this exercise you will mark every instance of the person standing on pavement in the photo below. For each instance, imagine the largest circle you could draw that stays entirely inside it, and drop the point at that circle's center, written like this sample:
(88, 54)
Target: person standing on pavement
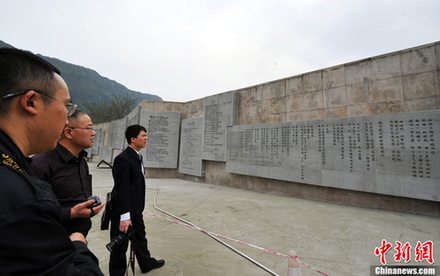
(34, 105)
(66, 170)
(129, 203)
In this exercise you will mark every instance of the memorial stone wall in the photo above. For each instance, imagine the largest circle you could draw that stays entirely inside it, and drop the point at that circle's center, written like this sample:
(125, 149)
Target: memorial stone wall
(363, 133)
(134, 117)
(395, 154)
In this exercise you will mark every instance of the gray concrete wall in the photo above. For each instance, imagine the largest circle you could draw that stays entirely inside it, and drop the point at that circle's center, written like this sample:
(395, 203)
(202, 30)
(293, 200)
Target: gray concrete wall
(399, 82)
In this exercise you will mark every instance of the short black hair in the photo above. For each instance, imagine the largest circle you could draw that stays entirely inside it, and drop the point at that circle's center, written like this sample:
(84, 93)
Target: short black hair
(133, 132)
(75, 115)
(22, 70)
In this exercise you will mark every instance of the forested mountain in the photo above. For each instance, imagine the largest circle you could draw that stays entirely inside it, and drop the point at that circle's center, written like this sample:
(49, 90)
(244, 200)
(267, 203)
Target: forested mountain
(87, 86)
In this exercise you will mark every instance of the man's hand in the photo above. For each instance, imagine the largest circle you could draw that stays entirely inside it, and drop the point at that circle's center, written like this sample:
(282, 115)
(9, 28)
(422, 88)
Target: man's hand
(98, 208)
(78, 237)
(123, 225)
(82, 210)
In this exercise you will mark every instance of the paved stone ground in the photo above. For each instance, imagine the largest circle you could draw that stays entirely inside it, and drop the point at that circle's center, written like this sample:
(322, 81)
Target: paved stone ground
(338, 240)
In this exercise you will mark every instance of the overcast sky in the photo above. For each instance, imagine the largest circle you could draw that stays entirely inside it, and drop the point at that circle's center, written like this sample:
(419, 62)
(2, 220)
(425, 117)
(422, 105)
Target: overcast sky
(186, 50)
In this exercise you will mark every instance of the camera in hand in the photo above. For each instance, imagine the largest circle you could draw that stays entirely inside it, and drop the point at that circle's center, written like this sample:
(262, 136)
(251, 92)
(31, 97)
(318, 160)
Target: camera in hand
(96, 203)
(119, 239)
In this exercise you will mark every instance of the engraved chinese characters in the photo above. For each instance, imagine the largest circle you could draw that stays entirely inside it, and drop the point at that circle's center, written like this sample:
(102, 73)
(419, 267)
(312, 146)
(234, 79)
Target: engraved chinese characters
(393, 154)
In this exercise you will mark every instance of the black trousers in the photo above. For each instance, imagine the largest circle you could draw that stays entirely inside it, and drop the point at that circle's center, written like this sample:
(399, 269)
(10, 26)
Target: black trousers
(118, 259)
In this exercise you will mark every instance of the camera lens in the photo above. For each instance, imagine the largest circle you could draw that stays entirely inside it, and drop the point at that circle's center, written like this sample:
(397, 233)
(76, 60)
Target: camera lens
(119, 239)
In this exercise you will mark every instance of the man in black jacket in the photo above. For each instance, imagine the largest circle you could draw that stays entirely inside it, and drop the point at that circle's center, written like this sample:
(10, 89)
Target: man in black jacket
(65, 169)
(129, 200)
(34, 104)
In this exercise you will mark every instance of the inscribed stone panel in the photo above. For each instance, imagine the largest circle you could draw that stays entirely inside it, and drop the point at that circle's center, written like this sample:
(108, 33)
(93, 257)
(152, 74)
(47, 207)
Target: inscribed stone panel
(190, 158)
(116, 134)
(163, 139)
(106, 154)
(98, 141)
(395, 154)
(220, 111)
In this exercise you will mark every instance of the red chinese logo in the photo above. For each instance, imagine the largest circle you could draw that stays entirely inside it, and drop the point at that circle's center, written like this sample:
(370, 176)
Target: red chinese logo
(386, 246)
(403, 252)
(423, 251)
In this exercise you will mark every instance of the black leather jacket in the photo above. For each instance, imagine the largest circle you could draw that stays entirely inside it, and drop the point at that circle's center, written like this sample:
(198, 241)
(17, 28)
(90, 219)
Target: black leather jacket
(32, 239)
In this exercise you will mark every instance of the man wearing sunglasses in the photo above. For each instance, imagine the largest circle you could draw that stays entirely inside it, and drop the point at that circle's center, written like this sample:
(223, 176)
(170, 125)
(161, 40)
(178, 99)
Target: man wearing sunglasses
(34, 104)
(66, 170)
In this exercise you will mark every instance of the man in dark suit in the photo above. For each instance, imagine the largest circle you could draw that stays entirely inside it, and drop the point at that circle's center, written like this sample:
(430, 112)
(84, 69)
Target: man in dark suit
(129, 203)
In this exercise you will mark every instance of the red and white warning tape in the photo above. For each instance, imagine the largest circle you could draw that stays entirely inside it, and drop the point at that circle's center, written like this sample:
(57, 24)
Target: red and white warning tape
(231, 239)
(234, 240)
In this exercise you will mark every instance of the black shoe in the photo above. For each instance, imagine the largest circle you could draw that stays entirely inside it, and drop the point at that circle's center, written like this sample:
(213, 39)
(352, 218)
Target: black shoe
(153, 265)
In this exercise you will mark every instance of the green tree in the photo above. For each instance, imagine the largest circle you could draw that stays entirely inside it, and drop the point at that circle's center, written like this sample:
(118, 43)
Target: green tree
(117, 108)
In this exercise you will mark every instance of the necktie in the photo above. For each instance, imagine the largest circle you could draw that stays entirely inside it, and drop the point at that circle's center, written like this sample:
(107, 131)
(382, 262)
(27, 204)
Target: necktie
(142, 164)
